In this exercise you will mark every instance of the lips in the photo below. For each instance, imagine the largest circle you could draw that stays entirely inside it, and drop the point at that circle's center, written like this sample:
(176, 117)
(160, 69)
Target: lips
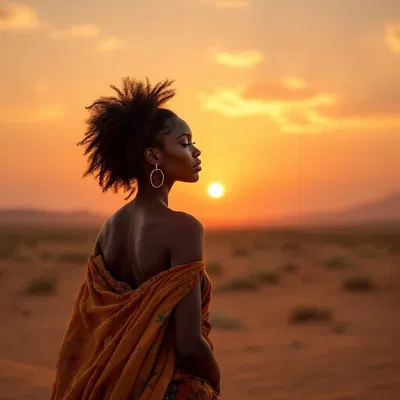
(197, 166)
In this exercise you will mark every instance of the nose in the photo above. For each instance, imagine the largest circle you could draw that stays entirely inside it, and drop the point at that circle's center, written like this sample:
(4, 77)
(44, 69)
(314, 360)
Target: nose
(196, 152)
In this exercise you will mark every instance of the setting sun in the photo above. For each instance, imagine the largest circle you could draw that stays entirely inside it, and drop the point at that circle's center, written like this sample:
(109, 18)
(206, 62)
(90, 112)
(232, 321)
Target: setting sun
(216, 190)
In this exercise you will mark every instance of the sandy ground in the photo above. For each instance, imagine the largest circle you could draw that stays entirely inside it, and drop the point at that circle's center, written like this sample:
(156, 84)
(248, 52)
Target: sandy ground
(355, 354)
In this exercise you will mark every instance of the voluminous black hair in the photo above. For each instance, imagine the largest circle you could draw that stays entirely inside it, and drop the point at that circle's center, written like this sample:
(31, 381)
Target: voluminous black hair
(120, 128)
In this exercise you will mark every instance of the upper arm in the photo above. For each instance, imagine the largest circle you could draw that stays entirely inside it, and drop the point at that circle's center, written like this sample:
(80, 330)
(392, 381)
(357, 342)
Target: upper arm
(186, 247)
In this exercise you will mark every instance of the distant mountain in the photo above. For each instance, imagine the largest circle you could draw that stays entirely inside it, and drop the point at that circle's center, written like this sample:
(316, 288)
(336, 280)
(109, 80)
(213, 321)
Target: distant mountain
(26, 216)
(381, 210)
(384, 210)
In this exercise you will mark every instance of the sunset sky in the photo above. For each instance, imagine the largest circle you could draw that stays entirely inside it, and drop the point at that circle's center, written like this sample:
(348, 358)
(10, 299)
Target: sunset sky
(294, 104)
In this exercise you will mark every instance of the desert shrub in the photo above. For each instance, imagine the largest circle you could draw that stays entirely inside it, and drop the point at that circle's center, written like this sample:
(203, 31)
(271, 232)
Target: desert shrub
(290, 268)
(358, 283)
(262, 245)
(8, 249)
(308, 313)
(214, 268)
(336, 262)
(222, 320)
(246, 283)
(73, 258)
(240, 252)
(42, 285)
(266, 277)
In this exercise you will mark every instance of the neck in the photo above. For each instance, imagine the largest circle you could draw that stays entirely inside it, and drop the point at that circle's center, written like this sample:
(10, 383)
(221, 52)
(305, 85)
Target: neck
(151, 195)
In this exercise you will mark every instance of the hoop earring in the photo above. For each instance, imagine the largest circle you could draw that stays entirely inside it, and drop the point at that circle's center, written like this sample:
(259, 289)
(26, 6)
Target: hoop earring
(151, 177)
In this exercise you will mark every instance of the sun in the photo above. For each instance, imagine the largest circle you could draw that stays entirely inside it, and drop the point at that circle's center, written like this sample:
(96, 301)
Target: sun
(216, 190)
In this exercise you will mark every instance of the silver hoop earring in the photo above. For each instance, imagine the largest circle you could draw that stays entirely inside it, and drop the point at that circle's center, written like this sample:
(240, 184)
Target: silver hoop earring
(151, 177)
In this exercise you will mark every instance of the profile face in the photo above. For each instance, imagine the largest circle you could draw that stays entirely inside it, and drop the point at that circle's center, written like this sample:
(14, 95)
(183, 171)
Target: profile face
(180, 158)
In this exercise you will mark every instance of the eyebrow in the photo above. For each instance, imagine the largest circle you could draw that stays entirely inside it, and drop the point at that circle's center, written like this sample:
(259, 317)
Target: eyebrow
(184, 134)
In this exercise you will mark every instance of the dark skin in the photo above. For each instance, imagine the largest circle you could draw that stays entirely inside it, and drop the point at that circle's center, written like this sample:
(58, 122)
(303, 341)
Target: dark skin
(146, 237)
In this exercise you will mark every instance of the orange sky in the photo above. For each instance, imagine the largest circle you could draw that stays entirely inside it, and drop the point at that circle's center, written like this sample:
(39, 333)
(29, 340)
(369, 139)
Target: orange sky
(294, 105)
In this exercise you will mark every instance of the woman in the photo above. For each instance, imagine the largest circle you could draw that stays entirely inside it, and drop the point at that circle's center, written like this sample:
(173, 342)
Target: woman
(139, 328)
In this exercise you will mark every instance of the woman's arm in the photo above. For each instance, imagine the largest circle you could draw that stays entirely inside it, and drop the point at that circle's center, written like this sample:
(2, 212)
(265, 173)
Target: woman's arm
(192, 348)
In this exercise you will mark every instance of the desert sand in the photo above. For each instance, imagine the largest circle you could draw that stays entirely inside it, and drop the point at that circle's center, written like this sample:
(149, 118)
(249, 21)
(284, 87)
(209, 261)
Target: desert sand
(296, 314)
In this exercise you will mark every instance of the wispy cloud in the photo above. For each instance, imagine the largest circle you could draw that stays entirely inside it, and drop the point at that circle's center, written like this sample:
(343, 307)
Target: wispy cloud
(85, 31)
(293, 106)
(227, 3)
(17, 17)
(239, 59)
(41, 113)
(392, 37)
(110, 44)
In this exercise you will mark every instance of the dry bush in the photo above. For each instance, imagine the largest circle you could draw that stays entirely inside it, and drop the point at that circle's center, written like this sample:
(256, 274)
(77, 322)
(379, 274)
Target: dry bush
(42, 285)
(222, 320)
(358, 283)
(290, 268)
(336, 262)
(254, 281)
(8, 249)
(240, 252)
(214, 268)
(266, 277)
(73, 258)
(308, 312)
(246, 283)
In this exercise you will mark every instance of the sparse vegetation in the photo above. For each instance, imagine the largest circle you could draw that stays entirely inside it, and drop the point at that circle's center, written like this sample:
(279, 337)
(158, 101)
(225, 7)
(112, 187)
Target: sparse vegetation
(339, 328)
(214, 268)
(42, 285)
(222, 320)
(262, 245)
(251, 282)
(291, 247)
(360, 283)
(290, 268)
(45, 255)
(307, 312)
(8, 249)
(246, 283)
(266, 277)
(240, 252)
(336, 262)
(73, 258)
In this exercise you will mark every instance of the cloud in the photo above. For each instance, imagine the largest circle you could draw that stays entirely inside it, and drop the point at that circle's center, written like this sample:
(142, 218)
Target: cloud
(393, 37)
(240, 59)
(86, 31)
(109, 44)
(16, 17)
(42, 113)
(293, 106)
(227, 3)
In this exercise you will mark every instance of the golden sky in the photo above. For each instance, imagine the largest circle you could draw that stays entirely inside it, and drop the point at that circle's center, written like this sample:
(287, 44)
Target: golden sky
(294, 104)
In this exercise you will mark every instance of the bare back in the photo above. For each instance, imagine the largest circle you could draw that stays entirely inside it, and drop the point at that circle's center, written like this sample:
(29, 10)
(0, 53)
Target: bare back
(135, 241)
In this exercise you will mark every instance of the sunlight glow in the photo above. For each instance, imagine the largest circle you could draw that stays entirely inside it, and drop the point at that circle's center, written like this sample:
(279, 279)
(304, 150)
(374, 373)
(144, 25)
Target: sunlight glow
(216, 190)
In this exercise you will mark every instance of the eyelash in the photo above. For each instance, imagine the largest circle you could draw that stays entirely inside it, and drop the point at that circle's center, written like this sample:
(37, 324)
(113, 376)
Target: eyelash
(188, 144)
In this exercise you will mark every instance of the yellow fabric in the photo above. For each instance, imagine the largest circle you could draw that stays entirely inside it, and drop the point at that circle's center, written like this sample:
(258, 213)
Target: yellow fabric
(119, 344)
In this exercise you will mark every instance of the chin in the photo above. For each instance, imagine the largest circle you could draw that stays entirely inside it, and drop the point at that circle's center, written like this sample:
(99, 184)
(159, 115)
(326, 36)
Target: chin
(191, 179)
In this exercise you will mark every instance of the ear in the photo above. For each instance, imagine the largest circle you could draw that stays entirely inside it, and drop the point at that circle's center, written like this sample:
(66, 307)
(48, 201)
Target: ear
(152, 155)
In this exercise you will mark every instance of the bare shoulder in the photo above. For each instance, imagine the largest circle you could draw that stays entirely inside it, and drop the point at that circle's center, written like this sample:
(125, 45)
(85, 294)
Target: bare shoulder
(184, 222)
(186, 235)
